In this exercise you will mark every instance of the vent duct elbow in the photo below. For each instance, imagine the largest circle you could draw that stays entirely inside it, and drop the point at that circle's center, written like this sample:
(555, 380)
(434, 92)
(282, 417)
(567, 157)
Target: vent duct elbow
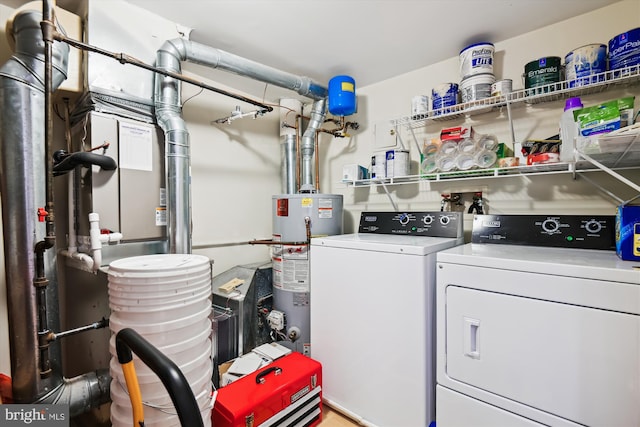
(318, 114)
(169, 116)
(81, 393)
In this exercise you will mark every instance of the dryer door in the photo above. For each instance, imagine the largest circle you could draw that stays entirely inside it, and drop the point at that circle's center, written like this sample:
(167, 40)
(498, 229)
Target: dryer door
(578, 363)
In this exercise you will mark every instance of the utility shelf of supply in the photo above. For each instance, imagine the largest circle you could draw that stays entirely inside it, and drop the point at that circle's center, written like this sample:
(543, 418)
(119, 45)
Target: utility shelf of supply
(616, 150)
(468, 174)
(547, 93)
(620, 148)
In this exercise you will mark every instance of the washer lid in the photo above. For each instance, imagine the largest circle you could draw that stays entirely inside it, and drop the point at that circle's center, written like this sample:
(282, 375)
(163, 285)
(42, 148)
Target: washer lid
(582, 263)
(408, 245)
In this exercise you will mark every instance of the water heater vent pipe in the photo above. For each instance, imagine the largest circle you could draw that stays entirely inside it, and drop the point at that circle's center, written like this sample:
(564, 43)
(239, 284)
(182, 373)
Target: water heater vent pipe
(169, 116)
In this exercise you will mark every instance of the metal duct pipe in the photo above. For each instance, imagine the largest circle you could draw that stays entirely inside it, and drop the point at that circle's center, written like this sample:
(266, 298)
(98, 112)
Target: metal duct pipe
(81, 393)
(22, 188)
(169, 116)
(318, 113)
(288, 160)
(290, 119)
(22, 185)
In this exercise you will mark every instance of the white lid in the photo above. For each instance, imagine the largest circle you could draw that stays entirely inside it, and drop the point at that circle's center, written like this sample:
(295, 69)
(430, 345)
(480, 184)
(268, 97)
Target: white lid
(158, 262)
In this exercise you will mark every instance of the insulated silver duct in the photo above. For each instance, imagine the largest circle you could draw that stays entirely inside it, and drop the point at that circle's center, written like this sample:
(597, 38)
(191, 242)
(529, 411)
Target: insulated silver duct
(22, 187)
(318, 113)
(288, 156)
(169, 117)
(81, 393)
(290, 122)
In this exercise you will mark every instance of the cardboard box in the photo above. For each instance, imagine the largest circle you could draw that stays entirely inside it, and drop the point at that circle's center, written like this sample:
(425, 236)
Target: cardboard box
(457, 133)
(628, 232)
(354, 172)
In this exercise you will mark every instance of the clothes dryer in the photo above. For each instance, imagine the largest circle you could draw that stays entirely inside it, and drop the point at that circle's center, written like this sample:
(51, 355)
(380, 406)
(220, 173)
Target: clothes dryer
(373, 318)
(536, 326)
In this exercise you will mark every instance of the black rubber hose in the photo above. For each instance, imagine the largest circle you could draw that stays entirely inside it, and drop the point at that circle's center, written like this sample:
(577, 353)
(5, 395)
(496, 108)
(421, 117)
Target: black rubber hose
(83, 158)
(170, 375)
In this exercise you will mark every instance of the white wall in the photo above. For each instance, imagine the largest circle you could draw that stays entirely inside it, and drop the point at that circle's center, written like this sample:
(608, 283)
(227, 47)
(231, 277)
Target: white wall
(235, 171)
(543, 194)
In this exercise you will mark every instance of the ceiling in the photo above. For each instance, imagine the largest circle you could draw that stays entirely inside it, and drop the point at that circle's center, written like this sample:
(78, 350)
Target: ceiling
(370, 40)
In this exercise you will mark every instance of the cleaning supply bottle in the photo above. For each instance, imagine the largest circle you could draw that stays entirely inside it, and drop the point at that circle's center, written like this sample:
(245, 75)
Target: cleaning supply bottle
(569, 129)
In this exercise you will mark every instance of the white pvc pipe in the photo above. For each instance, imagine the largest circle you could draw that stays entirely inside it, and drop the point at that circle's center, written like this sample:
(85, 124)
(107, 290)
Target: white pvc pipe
(110, 238)
(94, 235)
(73, 240)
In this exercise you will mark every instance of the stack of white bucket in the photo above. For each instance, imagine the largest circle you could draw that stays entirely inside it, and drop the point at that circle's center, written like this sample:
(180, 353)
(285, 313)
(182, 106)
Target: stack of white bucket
(476, 72)
(166, 299)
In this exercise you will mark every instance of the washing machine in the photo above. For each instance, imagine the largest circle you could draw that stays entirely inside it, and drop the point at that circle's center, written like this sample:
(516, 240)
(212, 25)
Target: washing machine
(538, 323)
(373, 318)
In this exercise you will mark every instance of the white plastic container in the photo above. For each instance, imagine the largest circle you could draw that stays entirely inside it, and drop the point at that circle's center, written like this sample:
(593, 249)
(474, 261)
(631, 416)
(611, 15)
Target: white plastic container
(476, 87)
(476, 59)
(502, 87)
(397, 163)
(569, 129)
(379, 165)
(420, 107)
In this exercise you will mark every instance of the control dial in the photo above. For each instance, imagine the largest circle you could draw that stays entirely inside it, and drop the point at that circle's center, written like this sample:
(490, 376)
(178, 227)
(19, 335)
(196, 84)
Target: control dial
(427, 219)
(592, 226)
(404, 219)
(444, 220)
(550, 225)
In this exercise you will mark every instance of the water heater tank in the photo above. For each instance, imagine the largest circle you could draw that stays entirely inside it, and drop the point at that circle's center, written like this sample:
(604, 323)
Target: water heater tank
(290, 260)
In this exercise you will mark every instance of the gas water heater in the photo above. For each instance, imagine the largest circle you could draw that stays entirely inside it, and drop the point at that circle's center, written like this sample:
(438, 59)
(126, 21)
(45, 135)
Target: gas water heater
(296, 218)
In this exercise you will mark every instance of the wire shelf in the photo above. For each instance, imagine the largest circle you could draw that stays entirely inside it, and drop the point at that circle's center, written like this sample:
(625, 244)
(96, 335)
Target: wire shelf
(552, 92)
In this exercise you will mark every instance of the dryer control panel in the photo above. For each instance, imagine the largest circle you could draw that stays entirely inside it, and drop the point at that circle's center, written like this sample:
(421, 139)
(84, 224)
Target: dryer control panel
(431, 224)
(565, 231)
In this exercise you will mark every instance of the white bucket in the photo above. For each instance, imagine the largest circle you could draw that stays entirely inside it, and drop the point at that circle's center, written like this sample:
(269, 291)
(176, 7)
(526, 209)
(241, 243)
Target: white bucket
(154, 394)
(476, 59)
(397, 163)
(145, 315)
(170, 327)
(166, 298)
(154, 283)
(420, 107)
(155, 415)
(502, 87)
(476, 87)
(160, 295)
(185, 357)
(177, 264)
(152, 412)
(583, 63)
(379, 165)
(149, 300)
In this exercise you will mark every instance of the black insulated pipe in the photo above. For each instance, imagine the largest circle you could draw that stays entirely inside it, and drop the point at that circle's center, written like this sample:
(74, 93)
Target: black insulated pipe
(168, 372)
(64, 162)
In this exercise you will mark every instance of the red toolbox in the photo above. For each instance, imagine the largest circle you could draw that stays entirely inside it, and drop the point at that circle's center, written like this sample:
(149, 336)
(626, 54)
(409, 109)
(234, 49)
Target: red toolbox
(287, 392)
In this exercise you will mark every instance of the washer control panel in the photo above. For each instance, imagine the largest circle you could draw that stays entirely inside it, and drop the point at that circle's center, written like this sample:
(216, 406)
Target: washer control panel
(565, 231)
(431, 224)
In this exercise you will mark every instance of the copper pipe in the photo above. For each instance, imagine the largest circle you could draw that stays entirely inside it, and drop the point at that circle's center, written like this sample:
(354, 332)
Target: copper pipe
(275, 242)
(317, 160)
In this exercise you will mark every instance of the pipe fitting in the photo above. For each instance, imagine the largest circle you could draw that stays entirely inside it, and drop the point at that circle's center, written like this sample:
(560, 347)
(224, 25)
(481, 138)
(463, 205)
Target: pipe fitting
(81, 393)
